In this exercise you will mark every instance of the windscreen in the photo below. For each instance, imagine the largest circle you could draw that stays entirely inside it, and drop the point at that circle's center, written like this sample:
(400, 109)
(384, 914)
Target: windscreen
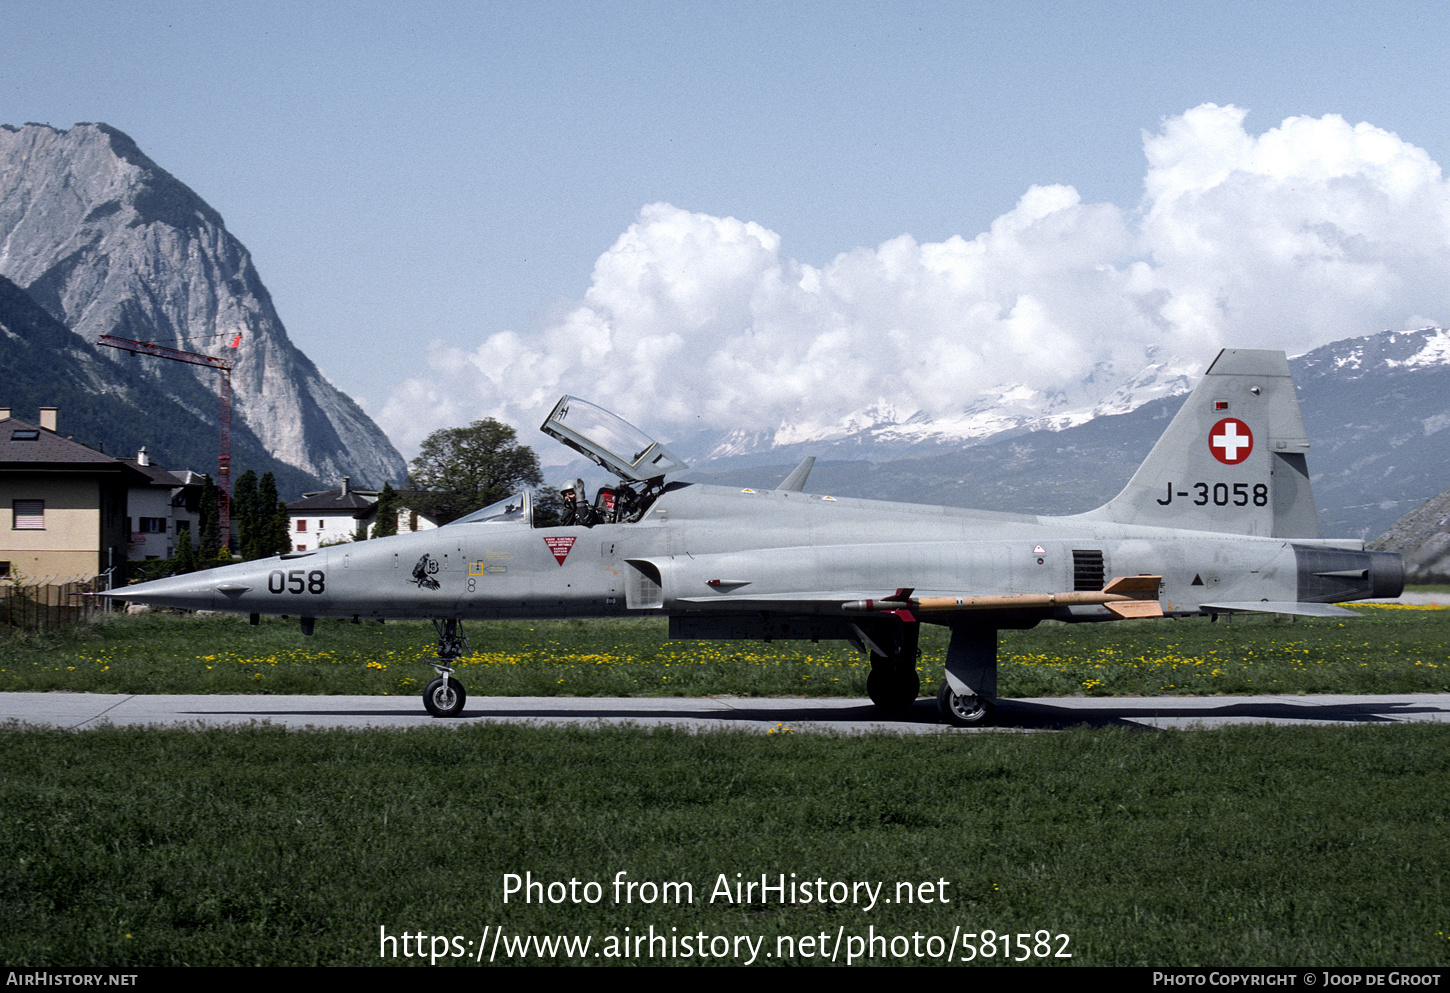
(510, 510)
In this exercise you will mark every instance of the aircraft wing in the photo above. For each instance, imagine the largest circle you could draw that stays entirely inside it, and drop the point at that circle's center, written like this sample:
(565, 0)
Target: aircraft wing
(781, 601)
(1279, 607)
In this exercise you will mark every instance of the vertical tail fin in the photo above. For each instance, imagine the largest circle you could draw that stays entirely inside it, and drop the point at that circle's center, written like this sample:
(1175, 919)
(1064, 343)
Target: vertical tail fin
(796, 481)
(1232, 460)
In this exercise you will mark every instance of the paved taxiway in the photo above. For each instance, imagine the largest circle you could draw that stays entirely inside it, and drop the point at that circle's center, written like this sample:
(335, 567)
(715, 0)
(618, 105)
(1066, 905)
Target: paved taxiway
(89, 710)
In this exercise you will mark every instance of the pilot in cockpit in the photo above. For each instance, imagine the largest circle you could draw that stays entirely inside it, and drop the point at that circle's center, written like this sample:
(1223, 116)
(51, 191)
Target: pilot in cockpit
(575, 498)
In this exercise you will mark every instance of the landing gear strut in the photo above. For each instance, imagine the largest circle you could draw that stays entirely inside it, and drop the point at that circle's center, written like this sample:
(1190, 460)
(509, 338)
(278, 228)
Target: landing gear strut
(445, 695)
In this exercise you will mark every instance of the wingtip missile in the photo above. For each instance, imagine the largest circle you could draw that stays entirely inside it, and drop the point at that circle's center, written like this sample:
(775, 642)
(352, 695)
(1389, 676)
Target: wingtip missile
(1125, 596)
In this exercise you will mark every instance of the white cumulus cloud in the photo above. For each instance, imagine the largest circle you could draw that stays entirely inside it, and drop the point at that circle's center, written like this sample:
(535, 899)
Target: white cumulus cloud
(1312, 231)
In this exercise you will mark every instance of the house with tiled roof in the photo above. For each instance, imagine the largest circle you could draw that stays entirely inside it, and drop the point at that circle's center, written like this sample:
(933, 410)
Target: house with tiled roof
(62, 505)
(328, 516)
(333, 516)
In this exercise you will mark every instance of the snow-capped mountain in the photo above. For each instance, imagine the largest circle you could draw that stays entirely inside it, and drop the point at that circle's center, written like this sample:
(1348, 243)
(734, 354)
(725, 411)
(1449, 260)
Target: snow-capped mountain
(1376, 408)
(882, 430)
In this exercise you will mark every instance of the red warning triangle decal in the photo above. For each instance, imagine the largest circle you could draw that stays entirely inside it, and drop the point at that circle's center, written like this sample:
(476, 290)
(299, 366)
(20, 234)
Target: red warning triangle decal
(560, 547)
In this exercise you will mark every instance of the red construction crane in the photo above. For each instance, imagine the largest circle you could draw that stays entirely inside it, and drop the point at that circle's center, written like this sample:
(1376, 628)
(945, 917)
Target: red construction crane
(224, 455)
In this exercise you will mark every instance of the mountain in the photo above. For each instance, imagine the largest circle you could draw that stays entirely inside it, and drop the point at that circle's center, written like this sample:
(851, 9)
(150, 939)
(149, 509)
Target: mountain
(111, 407)
(882, 431)
(107, 242)
(1423, 537)
(1376, 409)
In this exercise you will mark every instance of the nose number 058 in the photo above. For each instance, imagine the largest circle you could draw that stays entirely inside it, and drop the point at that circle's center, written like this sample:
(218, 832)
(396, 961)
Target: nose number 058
(297, 581)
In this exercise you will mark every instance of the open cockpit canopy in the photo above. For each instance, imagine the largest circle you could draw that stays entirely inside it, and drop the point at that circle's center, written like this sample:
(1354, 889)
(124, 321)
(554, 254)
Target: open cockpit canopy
(610, 441)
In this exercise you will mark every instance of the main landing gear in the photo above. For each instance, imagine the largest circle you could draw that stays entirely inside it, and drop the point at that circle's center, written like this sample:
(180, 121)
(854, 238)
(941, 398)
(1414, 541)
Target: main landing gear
(445, 695)
(893, 683)
(962, 710)
(968, 693)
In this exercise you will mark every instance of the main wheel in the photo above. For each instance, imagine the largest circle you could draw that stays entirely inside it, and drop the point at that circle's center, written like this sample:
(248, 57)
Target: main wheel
(962, 711)
(444, 697)
(892, 691)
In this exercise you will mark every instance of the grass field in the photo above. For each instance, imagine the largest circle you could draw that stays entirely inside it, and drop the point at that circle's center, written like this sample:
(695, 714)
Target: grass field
(1242, 846)
(1389, 650)
(1250, 845)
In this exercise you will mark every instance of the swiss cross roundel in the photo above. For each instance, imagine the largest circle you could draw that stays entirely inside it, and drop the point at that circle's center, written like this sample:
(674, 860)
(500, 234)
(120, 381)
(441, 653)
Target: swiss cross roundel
(1230, 441)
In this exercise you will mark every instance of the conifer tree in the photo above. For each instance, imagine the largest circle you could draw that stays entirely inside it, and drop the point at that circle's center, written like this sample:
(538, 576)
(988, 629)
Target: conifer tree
(184, 560)
(211, 534)
(244, 514)
(267, 490)
(273, 537)
(281, 530)
(387, 513)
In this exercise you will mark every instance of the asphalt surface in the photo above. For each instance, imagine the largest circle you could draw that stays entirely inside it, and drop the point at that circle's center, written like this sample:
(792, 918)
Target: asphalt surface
(762, 714)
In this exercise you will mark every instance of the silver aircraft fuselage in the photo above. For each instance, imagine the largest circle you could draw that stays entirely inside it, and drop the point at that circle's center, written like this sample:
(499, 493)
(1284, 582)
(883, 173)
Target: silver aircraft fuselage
(709, 549)
(1220, 518)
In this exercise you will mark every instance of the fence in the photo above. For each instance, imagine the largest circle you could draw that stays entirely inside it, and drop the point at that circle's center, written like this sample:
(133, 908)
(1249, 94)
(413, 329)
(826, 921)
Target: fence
(35, 606)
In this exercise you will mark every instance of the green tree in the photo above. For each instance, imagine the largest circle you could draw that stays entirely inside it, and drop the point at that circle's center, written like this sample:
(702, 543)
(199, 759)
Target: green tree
(184, 560)
(281, 531)
(459, 470)
(244, 514)
(387, 513)
(255, 517)
(211, 527)
(274, 536)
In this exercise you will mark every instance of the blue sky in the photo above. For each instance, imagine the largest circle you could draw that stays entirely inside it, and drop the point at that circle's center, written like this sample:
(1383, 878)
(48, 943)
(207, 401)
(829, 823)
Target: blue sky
(454, 173)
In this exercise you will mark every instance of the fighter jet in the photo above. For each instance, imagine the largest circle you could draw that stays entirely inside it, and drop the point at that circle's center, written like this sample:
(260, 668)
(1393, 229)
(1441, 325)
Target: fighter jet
(1219, 519)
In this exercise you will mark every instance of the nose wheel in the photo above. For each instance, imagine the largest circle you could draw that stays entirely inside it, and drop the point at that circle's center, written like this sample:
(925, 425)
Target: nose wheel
(444, 697)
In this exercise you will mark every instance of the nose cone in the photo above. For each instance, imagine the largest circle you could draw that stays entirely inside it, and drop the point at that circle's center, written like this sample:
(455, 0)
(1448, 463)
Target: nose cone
(214, 589)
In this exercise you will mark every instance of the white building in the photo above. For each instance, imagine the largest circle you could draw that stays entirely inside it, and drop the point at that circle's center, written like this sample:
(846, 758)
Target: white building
(159, 510)
(332, 516)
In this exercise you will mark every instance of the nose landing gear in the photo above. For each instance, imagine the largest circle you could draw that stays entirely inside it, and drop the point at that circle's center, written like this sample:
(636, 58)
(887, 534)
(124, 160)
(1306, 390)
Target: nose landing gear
(445, 695)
